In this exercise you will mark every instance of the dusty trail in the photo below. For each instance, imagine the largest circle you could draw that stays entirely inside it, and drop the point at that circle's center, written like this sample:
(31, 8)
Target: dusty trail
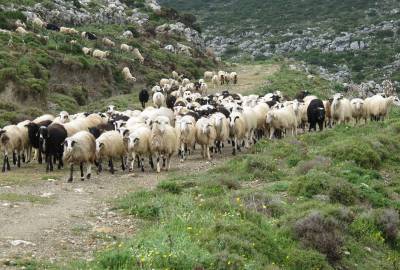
(73, 220)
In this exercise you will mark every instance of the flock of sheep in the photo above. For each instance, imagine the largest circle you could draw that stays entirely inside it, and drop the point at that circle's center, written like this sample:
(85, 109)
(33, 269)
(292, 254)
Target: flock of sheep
(179, 121)
(96, 53)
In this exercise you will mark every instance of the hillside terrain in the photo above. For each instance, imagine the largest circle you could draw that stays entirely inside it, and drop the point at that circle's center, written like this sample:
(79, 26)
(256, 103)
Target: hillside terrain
(42, 71)
(343, 40)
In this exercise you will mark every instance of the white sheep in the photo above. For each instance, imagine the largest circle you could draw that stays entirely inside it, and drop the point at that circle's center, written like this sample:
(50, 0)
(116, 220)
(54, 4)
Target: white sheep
(341, 109)
(78, 150)
(11, 142)
(87, 51)
(205, 136)
(69, 31)
(62, 118)
(208, 75)
(203, 88)
(111, 145)
(282, 119)
(127, 75)
(108, 42)
(163, 142)
(38, 22)
(215, 80)
(377, 107)
(237, 130)
(358, 109)
(42, 118)
(175, 75)
(261, 111)
(158, 99)
(221, 126)
(187, 131)
(100, 54)
(21, 30)
(185, 82)
(251, 125)
(26, 146)
(163, 82)
(139, 146)
(138, 55)
(126, 48)
(233, 77)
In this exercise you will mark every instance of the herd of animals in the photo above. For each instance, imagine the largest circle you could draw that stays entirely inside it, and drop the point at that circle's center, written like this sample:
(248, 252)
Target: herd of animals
(181, 118)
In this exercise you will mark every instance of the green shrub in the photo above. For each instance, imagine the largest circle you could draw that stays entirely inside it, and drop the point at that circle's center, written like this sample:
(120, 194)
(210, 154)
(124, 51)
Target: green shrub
(342, 192)
(313, 183)
(300, 259)
(358, 150)
(170, 186)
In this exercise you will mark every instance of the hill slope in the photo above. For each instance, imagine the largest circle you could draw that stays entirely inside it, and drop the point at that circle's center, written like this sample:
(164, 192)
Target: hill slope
(42, 71)
(358, 38)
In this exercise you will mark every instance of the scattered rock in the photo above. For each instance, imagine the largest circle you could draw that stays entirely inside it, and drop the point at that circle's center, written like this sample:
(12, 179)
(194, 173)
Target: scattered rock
(103, 229)
(21, 242)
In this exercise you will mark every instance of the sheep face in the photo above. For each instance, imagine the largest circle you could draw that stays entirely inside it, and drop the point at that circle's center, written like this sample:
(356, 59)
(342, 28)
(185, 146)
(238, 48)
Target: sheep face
(110, 109)
(69, 146)
(160, 124)
(64, 117)
(133, 142)
(396, 101)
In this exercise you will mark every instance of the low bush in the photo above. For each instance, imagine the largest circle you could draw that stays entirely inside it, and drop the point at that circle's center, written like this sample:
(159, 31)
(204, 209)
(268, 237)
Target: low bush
(321, 233)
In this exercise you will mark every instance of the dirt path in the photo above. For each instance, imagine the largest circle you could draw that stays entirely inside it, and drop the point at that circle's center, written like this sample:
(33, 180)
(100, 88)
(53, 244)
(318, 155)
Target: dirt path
(73, 220)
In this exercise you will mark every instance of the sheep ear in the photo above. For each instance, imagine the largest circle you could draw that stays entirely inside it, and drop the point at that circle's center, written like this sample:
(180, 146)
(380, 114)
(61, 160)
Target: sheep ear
(2, 131)
(101, 145)
(125, 133)
(73, 143)
(136, 140)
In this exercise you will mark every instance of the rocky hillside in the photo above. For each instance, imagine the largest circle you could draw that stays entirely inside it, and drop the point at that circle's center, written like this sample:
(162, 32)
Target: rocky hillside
(344, 40)
(45, 70)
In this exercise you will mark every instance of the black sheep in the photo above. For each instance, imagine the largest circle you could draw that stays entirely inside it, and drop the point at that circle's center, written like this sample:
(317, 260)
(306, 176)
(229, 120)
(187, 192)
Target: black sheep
(52, 139)
(144, 97)
(316, 114)
(90, 36)
(52, 27)
(170, 101)
(34, 138)
(302, 94)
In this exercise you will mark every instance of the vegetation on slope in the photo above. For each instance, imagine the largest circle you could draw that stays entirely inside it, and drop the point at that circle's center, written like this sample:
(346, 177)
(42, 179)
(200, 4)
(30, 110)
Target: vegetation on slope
(38, 76)
(275, 19)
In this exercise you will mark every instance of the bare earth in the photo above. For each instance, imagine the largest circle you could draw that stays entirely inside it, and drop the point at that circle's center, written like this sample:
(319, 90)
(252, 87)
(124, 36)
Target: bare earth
(73, 220)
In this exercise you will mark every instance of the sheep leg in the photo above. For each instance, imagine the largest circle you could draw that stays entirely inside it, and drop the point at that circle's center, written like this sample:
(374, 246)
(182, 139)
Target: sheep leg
(151, 162)
(208, 153)
(47, 164)
(14, 158)
(169, 162)
(40, 158)
(182, 152)
(234, 146)
(138, 161)
(4, 163)
(51, 163)
(88, 171)
(71, 174)
(23, 156)
(60, 162)
(163, 161)
(272, 132)
(81, 169)
(158, 164)
(100, 166)
(19, 160)
(142, 164)
(112, 171)
(123, 163)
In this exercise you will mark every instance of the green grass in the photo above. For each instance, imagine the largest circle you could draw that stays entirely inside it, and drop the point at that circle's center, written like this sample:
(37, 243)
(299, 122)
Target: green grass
(14, 197)
(263, 210)
(290, 82)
